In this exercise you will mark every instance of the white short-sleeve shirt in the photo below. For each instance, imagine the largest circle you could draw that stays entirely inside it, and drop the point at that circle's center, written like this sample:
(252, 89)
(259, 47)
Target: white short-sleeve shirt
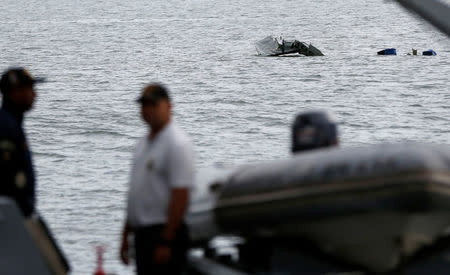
(159, 165)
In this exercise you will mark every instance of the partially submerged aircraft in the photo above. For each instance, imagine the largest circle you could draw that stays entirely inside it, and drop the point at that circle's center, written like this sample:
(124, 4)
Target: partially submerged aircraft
(272, 46)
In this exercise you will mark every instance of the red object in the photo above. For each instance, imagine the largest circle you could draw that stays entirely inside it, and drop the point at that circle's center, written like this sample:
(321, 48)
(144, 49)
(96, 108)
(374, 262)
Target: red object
(99, 270)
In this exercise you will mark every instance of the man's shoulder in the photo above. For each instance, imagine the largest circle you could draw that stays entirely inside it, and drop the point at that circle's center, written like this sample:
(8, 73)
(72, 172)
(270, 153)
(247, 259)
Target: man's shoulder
(140, 142)
(178, 136)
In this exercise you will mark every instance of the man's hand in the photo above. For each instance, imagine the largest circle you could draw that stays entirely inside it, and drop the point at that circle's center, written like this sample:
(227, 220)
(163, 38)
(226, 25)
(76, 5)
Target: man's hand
(162, 254)
(177, 207)
(124, 246)
(124, 251)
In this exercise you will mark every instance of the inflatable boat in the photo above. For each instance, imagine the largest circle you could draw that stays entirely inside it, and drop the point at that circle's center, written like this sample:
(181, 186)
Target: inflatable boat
(374, 207)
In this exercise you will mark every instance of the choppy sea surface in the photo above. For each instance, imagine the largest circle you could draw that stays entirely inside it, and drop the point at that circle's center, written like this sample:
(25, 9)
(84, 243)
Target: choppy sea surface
(237, 106)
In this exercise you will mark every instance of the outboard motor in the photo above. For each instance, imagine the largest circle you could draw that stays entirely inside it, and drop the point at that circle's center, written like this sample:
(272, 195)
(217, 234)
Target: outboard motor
(312, 130)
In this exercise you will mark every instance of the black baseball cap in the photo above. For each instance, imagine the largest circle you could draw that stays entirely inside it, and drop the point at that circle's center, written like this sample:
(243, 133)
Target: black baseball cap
(17, 77)
(152, 93)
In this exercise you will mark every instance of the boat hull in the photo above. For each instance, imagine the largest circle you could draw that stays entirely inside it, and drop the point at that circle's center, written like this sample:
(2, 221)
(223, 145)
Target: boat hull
(394, 199)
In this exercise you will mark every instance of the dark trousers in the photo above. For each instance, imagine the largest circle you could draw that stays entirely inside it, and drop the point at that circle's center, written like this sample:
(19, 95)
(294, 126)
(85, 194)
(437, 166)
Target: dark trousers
(146, 239)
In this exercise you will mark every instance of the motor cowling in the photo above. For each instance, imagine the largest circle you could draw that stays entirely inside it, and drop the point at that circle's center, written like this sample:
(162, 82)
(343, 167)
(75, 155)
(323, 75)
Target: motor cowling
(312, 130)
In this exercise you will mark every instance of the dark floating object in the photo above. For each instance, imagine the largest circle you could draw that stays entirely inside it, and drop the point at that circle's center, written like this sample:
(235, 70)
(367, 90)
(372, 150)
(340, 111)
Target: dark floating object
(429, 52)
(390, 51)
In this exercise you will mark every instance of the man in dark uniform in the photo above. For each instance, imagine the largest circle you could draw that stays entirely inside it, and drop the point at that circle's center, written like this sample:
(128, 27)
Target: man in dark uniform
(17, 178)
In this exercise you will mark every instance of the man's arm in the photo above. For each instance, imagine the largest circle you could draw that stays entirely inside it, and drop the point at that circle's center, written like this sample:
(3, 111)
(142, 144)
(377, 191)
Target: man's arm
(181, 176)
(180, 181)
(177, 208)
(8, 165)
(124, 245)
(178, 205)
(181, 173)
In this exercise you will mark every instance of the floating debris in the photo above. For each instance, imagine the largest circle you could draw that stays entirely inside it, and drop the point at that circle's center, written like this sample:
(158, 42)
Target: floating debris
(429, 52)
(390, 51)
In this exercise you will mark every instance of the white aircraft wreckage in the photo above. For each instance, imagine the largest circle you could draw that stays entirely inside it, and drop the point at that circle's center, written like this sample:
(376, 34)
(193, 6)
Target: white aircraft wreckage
(272, 46)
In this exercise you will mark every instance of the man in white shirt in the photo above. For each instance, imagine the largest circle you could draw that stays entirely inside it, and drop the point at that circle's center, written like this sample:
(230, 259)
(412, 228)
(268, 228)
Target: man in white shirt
(160, 183)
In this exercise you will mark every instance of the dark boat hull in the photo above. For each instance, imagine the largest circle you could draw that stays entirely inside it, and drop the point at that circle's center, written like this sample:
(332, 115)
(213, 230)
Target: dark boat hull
(394, 199)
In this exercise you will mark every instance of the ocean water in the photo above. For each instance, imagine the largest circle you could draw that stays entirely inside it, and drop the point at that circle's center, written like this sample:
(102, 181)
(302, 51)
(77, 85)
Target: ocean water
(237, 106)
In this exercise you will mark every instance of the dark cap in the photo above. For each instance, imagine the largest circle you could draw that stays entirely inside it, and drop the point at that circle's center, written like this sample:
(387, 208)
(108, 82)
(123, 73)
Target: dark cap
(152, 93)
(17, 77)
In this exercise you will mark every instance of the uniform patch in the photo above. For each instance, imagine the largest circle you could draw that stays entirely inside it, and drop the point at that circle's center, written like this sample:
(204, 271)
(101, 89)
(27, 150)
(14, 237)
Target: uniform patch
(21, 180)
(7, 148)
(6, 156)
(7, 145)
